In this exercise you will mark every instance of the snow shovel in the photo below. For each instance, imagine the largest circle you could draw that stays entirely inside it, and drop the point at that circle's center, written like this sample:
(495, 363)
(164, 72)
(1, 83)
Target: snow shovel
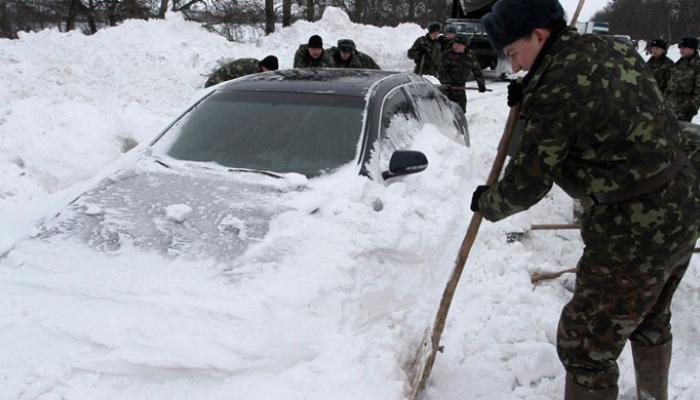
(538, 277)
(515, 236)
(430, 345)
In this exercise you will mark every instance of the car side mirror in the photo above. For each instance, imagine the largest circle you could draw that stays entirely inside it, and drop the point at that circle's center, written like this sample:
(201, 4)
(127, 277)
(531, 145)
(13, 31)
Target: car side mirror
(405, 162)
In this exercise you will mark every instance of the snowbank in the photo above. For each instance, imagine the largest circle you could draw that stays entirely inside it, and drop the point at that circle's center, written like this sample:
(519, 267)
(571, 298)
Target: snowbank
(136, 326)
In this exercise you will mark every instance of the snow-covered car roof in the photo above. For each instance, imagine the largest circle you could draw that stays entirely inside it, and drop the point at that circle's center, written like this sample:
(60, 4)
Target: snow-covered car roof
(348, 82)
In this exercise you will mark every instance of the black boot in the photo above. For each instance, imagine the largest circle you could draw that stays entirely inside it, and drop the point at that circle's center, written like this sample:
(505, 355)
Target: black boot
(574, 391)
(651, 370)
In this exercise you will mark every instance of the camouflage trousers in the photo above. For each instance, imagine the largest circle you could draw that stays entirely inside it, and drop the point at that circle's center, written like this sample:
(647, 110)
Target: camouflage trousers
(459, 96)
(634, 259)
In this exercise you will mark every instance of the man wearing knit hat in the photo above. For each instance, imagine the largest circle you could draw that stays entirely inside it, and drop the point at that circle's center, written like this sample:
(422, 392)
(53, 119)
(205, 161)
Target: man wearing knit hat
(241, 67)
(426, 51)
(593, 121)
(659, 63)
(456, 66)
(312, 55)
(683, 91)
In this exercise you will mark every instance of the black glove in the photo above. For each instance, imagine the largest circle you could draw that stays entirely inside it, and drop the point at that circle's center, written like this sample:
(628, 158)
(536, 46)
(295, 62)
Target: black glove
(515, 93)
(482, 88)
(476, 195)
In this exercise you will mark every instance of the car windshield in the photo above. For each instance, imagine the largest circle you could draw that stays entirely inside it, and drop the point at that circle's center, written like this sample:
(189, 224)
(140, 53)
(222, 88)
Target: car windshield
(469, 27)
(307, 133)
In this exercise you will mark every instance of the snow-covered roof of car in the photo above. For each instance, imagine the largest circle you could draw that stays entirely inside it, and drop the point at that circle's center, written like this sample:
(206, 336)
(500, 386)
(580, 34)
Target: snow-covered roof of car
(341, 81)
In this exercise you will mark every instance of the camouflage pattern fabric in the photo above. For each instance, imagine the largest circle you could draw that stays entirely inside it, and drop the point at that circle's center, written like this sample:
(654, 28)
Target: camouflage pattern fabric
(357, 60)
(683, 91)
(445, 43)
(661, 67)
(232, 70)
(593, 121)
(455, 70)
(690, 139)
(426, 53)
(302, 59)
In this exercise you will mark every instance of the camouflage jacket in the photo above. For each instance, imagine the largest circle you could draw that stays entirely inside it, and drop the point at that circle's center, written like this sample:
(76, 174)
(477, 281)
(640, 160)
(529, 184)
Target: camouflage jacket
(661, 67)
(426, 53)
(357, 60)
(232, 70)
(592, 121)
(683, 91)
(456, 68)
(302, 59)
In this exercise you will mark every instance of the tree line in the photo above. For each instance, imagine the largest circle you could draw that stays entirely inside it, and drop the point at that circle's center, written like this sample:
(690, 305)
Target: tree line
(648, 19)
(223, 16)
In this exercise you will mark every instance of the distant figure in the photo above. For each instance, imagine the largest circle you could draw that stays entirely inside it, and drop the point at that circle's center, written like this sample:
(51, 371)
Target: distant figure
(457, 66)
(426, 51)
(242, 67)
(347, 56)
(659, 63)
(312, 55)
(683, 91)
(446, 39)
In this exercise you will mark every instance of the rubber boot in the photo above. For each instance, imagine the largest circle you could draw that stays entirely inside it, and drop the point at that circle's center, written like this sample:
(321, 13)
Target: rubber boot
(651, 365)
(574, 391)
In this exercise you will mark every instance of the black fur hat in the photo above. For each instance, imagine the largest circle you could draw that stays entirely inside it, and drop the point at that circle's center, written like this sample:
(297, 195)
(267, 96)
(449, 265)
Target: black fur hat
(511, 20)
(689, 42)
(658, 42)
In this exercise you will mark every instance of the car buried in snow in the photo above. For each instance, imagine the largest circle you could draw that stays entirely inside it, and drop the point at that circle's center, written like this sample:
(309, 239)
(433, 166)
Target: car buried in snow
(264, 240)
(287, 126)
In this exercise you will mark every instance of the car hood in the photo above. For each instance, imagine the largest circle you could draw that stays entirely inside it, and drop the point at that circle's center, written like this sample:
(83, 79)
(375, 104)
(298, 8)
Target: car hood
(176, 209)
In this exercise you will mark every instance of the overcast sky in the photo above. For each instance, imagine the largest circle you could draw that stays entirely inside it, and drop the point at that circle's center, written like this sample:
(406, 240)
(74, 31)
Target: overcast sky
(590, 7)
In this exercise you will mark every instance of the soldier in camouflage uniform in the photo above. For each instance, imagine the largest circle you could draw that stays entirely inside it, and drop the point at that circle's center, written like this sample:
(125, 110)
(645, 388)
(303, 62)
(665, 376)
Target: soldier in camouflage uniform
(312, 55)
(594, 123)
(457, 66)
(241, 67)
(446, 39)
(347, 56)
(659, 63)
(426, 51)
(683, 91)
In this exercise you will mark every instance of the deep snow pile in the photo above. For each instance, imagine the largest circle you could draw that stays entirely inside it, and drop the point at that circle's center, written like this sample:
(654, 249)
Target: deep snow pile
(69, 101)
(77, 325)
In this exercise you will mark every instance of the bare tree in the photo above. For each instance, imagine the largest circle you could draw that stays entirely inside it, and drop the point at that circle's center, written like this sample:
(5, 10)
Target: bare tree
(309, 12)
(286, 12)
(163, 8)
(270, 16)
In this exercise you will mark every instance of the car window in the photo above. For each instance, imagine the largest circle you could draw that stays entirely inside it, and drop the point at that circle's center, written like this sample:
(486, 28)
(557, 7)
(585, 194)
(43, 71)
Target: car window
(273, 131)
(433, 108)
(396, 105)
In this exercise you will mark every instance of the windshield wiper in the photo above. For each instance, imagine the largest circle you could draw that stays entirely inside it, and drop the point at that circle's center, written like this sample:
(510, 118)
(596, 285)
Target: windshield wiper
(161, 163)
(257, 171)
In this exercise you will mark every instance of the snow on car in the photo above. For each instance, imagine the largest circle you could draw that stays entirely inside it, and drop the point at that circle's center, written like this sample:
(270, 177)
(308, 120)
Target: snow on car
(239, 253)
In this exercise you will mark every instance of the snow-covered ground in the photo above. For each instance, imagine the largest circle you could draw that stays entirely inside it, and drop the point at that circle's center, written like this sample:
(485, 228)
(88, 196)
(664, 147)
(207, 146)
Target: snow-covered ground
(333, 315)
